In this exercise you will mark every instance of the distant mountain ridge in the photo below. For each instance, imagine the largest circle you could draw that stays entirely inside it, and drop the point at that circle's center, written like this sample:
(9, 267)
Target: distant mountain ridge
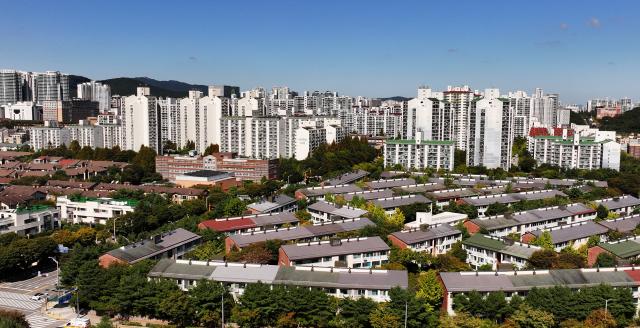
(126, 86)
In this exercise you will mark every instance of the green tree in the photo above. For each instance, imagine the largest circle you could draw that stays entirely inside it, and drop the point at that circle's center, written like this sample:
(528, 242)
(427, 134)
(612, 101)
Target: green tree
(13, 319)
(600, 319)
(104, 322)
(542, 259)
(384, 317)
(464, 320)
(606, 260)
(234, 207)
(353, 312)
(206, 297)
(528, 317)
(602, 212)
(429, 290)
(544, 240)
(177, 309)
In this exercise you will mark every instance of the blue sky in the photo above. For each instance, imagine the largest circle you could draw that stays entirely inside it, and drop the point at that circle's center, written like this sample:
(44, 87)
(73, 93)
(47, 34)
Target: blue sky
(578, 48)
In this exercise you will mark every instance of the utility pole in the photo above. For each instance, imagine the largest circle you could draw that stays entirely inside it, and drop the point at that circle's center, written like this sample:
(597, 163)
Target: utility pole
(57, 271)
(606, 306)
(406, 308)
(223, 291)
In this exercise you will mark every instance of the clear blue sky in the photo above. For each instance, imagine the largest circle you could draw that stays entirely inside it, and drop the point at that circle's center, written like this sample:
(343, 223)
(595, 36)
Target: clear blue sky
(577, 48)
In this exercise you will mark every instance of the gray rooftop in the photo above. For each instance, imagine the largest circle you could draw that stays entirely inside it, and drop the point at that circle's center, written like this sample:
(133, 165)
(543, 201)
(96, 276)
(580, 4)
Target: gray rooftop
(148, 248)
(321, 249)
(335, 190)
(271, 204)
(525, 280)
(343, 211)
(448, 194)
(619, 202)
(572, 232)
(393, 202)
(273, 274)
(369, 194)
(347, 178)
(532, 216)
(390, 183)
(301, 232)
(513, 198)
(418, 235)
(623, 224)
(422, 187)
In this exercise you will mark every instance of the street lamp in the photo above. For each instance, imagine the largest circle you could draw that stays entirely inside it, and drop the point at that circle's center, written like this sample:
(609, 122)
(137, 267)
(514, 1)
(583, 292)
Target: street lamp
(57, 271)
(606, 306)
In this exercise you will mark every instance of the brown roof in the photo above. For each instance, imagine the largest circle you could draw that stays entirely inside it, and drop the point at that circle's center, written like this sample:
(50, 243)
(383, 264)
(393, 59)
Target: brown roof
(71, 184)
(41, 167)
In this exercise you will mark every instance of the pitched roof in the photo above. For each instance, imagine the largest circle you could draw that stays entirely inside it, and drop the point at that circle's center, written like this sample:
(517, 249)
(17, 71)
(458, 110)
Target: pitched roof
(346, 178)
(301, 232)
(615, 203)
(526, 280)
(563, 234)
(390, 183)
(498, 245)
(149, 247)
(623, 224)
(248, 221)
(346, 246)
(273, 274)
(393, 202)
(513, 198)
(418, 235)
(532, 216)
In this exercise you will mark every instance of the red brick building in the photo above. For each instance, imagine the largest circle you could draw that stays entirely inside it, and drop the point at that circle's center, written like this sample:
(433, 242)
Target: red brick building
(242, 168)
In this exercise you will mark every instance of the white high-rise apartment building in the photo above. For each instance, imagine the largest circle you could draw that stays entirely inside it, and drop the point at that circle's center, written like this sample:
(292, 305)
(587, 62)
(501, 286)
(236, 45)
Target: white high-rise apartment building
(419, 153)
(374, 121)
(96, 91)
(22, 111)
(141, 121)
(490, 131)
(458, 100)
(521, 104)
(200, 118)
(51, 86)
(235, 134)
(11, 85)
(111, 134)
(170, 121)
(307, 139)
(266, 137)
(48, 136)
(544, 108)
(86, 134)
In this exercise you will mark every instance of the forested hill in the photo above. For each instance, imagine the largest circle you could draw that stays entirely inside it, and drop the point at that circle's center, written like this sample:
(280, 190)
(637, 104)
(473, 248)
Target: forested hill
(626, 123)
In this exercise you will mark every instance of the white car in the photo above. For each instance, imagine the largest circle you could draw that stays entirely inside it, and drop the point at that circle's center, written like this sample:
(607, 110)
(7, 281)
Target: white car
(38, 296)
(79, 323)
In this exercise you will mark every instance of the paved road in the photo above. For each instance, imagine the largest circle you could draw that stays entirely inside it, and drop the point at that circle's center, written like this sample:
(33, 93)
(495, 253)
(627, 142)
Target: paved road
(32, 285)
(17, 296)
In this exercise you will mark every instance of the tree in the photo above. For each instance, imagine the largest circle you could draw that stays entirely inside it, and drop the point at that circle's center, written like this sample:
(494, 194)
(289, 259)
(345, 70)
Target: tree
(602, 212)
(104, 322)
(254, 253)
(544, 240)
(206, 297)
(542, 259)
(497, 209)
(606, 260)
(211, 149)
(396, 219)
(457, 251)
(12, 319)
(384, 317)
(528, 317)
(600, 319)
(353, 312)
(177, 309)
(464, 320)
(429, 289)
(234, 207)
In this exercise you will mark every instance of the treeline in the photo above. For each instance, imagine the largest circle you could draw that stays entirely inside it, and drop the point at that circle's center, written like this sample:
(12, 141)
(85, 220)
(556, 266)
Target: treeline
(628, 122)
(17, 254)
(328, 160)
(552, 307)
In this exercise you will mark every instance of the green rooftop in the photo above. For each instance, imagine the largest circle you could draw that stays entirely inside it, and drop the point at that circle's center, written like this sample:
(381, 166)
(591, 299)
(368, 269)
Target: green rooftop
(624, 249)
(83, 199)
(32, 208)
(482, 241)
(423, 142)
(569, 141)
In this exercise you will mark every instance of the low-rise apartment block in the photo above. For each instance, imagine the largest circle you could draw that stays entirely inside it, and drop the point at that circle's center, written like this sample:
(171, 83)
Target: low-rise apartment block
(419, 154)
(29, 220)
(363, 252)
(172, 245)
(482, 203)
(92, 210)
(497, 252)
(251, 223)
(526, 221)
(337, 282)
(242, 168)
(437, 240)
(308, 233)
(574, 235)
(625, 204)
(274, 204)
(323, 211)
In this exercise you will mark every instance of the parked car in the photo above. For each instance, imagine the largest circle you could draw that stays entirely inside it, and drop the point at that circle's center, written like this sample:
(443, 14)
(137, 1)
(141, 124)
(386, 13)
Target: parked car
(79, 323)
